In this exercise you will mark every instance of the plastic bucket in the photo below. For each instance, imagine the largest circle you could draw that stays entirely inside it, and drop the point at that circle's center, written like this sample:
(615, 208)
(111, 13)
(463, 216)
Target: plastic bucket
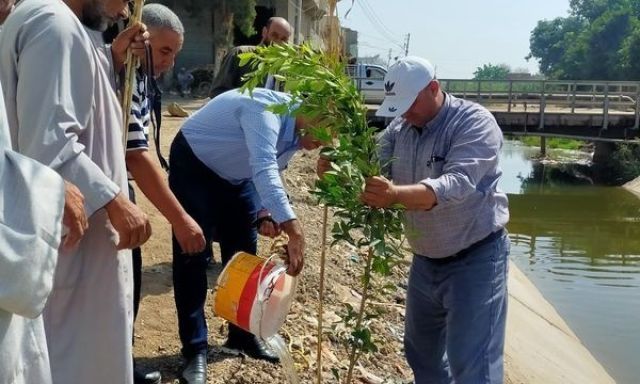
(254, 293)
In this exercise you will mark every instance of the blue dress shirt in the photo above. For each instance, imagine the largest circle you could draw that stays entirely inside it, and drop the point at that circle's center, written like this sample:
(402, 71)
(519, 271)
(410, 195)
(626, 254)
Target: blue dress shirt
(240, 140)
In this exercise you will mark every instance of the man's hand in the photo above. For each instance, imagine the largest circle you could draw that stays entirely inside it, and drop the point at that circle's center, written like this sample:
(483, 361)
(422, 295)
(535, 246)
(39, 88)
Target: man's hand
(129, 221)
(323, 165)
(189, 236)
(135, 37)
(266, 225)
(74, 217)
(269, 228)
(295, 247)
(379, 192)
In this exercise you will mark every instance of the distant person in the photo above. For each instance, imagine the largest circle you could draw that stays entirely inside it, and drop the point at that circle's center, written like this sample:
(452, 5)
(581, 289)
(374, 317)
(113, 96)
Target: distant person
(185, 79)
(277, 30)
(224, 167)
(444, 170)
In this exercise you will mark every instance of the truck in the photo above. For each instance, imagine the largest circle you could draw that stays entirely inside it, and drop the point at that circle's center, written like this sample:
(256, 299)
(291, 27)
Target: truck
(369, 79)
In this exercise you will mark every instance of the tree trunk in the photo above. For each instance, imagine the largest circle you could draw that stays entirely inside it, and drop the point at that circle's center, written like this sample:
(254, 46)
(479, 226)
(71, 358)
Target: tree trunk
(222, 25)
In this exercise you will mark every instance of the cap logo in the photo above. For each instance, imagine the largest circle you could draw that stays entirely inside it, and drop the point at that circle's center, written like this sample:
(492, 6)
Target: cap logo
(388, 87)
(392, 109)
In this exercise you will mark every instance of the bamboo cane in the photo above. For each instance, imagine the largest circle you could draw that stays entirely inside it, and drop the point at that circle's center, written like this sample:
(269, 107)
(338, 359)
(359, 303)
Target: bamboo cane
(132, 64)
(323, 254)
(333, 50)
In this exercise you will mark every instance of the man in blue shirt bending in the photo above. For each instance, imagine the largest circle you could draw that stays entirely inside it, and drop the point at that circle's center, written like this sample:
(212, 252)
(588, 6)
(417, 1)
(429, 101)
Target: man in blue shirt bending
(225, 164)
(444, 170)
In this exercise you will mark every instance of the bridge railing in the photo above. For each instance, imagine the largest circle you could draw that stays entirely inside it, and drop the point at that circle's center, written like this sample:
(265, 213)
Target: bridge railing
(550, 96)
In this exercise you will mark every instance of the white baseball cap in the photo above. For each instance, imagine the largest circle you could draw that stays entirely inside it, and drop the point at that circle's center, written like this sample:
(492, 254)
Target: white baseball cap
(402, 84)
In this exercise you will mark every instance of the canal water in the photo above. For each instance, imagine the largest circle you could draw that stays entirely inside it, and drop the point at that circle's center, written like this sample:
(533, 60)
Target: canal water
(580, 245)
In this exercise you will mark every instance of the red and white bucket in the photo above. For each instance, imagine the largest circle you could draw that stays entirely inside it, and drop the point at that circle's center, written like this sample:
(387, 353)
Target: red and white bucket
(254, 293)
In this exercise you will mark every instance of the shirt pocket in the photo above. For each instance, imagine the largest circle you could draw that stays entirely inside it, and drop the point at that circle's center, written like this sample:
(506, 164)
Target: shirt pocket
(435, 165)
(429, 166)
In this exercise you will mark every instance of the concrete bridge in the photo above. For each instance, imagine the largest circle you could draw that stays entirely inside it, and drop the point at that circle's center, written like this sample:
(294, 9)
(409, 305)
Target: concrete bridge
(601, 111)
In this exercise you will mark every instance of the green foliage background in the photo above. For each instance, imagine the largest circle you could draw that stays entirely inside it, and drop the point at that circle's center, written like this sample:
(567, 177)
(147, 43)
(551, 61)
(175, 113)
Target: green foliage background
(599, 40)
(492, 72)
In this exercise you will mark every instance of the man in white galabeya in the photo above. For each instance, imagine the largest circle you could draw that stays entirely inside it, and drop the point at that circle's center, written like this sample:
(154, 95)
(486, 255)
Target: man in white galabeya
(63, 112)
(444, 170)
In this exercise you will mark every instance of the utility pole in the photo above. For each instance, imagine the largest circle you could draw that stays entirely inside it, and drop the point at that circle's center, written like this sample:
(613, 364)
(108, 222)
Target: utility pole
(406, 44)
(389, 59)
(298, 25)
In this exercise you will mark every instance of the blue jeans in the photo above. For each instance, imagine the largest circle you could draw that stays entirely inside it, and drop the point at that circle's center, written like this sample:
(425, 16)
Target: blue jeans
(456, 315)
(217, 206)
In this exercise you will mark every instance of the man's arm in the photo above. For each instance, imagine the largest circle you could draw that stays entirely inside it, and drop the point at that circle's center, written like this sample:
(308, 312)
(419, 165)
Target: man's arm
(30, 232)
(261, 133)
(150, 179)
(473, 153)
(380, 192)
(54, 107)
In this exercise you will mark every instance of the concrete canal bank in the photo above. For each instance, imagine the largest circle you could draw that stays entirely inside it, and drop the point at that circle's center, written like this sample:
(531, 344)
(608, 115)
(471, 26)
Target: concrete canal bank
(540, 346)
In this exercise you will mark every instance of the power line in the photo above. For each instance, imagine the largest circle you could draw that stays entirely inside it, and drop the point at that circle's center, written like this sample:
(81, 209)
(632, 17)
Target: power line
(379, 39)
(377, 24)
(375, 48)
(366, 4)
(380, 31)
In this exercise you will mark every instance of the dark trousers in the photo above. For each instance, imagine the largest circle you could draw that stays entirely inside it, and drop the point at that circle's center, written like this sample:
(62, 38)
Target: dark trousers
(136, 256)
(217, 206)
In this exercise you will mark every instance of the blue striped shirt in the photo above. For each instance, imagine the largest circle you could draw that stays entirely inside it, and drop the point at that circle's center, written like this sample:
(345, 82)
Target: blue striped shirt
(455, 154)
(237, 138)
(140, 116)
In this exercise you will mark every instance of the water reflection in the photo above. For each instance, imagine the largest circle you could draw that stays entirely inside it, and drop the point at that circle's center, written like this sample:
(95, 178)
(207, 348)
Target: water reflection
(580, 245)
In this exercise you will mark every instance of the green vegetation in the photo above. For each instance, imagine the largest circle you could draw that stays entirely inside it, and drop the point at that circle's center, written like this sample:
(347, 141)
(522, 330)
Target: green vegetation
(330, 99)
(624, 163)
(502, 86)
(492, 72)
(240, 13)
(552, 142)
(224, 16)
(599, 40)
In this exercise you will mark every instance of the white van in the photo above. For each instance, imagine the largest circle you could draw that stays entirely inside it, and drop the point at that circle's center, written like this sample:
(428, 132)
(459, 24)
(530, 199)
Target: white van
(369, 79)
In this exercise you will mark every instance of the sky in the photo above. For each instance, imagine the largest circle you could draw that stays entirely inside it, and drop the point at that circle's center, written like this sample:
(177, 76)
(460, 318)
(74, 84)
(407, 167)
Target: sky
(457, 36)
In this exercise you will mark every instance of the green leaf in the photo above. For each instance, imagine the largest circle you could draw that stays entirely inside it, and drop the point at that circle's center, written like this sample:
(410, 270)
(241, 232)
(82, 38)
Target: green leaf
(336, 373)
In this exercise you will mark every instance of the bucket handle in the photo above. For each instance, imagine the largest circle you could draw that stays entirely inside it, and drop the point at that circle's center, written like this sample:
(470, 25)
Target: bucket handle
(261, 275)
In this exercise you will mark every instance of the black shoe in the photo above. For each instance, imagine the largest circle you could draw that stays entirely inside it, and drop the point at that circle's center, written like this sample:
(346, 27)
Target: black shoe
(195, 371)
(250, 345)
(153, 377)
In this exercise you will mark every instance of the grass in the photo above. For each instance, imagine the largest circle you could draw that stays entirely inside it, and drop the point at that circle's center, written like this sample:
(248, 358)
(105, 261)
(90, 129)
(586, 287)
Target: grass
(552, 142)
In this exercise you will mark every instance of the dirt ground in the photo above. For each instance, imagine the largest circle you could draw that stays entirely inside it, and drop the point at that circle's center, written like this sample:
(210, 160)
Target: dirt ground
(157, 344)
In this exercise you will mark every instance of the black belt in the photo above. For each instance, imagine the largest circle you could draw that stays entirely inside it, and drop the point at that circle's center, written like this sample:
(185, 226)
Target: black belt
(465, 252)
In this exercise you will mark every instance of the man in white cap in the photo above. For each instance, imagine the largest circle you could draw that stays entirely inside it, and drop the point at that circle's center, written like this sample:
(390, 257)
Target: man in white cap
(444, 170)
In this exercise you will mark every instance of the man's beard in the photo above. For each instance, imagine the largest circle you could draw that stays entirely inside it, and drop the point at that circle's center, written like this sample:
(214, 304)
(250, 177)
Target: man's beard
(94, 16)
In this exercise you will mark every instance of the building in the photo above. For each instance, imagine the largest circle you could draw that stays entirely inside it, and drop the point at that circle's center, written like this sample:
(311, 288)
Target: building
(350, 42)
(199, 48)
